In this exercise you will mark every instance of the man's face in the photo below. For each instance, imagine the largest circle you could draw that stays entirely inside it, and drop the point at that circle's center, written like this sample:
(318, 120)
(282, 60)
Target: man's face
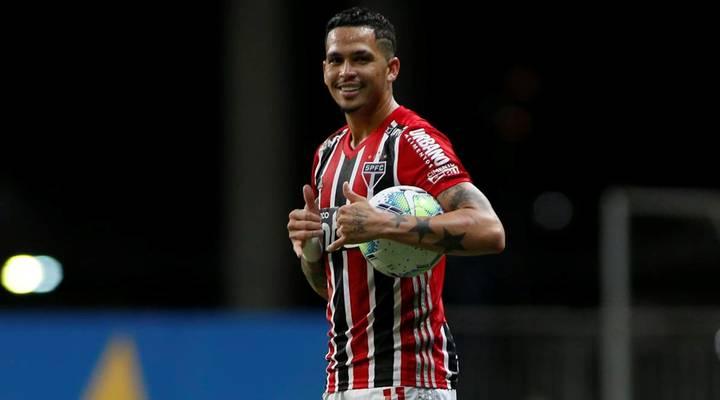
(355, 70)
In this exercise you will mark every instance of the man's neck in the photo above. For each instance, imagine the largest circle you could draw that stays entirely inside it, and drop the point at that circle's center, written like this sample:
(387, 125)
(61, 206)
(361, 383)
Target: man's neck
(363, 125)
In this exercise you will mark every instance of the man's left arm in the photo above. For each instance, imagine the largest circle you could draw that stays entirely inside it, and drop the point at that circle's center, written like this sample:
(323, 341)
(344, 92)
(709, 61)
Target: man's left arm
(469, 225)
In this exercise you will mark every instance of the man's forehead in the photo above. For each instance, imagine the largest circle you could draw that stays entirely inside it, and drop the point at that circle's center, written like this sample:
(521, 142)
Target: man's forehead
(350, 34)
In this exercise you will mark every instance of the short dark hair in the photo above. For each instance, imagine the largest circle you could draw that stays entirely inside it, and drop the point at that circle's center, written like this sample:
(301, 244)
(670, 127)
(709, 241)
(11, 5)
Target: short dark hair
(360, 16)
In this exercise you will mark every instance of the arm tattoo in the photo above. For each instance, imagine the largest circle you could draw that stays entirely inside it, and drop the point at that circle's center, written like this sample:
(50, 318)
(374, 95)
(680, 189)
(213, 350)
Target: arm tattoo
(422, 227)
(458, 196)
(398, 219)
(450, 242)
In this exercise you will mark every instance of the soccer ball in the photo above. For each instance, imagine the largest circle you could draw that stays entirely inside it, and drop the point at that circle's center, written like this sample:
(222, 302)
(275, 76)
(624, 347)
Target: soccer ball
(397, 259)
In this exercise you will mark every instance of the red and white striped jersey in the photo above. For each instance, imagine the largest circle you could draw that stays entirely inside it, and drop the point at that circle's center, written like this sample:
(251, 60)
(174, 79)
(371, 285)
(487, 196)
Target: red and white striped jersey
(386, 331)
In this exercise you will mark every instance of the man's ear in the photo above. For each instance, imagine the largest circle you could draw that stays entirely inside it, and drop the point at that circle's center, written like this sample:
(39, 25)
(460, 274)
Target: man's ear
(393, 69)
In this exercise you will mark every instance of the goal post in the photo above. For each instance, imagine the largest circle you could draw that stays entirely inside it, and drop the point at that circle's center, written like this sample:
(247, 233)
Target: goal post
(618, 205)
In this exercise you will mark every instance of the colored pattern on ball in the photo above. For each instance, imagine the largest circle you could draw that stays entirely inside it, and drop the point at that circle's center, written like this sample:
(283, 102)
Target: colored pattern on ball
(394, 258)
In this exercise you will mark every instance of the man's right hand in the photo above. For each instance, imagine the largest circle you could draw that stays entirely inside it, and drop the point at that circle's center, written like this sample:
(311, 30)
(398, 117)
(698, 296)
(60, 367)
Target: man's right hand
(305, 224)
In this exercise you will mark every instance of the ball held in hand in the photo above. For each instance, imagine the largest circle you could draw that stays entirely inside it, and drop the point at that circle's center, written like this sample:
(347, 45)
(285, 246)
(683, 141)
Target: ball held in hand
(397, 259)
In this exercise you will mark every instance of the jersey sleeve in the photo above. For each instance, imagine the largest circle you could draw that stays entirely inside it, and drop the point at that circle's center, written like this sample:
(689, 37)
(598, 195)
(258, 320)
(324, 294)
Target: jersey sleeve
(313, 170)
(426, 159)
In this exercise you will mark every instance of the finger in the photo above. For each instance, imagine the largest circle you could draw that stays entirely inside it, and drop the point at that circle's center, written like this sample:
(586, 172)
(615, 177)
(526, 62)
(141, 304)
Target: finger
(312, 216)
(303, 225)
(350, 195)
(310, 203)
(297, 248)
(305, 221)
(304, 215)
(305, 235)
(336, 244)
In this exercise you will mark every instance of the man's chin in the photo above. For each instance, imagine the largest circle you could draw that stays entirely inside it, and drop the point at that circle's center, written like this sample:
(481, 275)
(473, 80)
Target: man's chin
(349, 110)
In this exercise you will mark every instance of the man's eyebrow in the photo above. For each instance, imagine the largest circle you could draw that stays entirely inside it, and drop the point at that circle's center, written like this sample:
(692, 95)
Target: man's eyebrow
(361, 53)
(353, 54)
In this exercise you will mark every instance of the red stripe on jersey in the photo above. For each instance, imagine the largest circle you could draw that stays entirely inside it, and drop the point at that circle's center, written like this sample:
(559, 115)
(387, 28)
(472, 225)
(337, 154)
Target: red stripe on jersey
(387, 393)
(400, 393)
(407, 338)
(327, 181)
(426, 348)
(437, 319)
(332, 376)
(360, 306)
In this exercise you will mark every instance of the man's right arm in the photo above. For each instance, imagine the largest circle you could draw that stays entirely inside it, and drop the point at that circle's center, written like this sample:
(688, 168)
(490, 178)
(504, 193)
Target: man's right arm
(315, 275)
(305, 231)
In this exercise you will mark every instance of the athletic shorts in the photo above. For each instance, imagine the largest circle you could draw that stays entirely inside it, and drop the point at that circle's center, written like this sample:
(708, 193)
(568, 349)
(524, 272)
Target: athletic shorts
(392, 393)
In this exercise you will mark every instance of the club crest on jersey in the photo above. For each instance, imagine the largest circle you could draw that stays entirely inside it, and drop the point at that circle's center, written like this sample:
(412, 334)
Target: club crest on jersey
(372, 172)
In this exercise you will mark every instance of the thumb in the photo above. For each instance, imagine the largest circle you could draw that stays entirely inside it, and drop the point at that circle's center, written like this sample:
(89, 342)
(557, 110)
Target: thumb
(309, 196)
(350, 195)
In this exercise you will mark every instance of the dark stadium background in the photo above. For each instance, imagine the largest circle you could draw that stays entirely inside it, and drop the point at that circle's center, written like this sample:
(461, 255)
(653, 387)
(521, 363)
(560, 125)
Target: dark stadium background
(114, 151)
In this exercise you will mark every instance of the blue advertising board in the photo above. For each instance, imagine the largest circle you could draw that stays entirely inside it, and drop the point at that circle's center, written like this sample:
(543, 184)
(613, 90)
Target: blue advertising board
(162, 355)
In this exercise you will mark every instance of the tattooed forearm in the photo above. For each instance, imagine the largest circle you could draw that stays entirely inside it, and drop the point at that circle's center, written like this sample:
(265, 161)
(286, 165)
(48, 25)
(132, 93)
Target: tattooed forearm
(422, 227)
(459, 196)
(398, 219)
(450, 242)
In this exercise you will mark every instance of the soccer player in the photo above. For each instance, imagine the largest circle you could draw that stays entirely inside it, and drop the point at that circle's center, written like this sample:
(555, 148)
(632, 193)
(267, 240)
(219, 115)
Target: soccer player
(389, 338)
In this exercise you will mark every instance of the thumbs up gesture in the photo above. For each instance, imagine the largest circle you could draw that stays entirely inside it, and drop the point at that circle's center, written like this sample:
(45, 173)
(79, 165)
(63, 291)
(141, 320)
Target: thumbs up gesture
(357, 221)
(304, 227)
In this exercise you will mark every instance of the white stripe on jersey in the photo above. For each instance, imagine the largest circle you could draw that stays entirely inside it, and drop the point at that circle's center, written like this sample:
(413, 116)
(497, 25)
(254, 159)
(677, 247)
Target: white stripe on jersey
(333, 350)
(371, 321)
(397, 339)
(446, 356)
(379, 151)
(338, 168)
(348, 319)
(395, 161)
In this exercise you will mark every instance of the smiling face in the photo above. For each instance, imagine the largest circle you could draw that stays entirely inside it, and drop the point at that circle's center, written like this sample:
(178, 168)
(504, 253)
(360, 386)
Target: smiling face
(357, 72)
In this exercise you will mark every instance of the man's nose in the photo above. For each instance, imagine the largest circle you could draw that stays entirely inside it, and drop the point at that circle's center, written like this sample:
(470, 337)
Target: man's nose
(347, 69)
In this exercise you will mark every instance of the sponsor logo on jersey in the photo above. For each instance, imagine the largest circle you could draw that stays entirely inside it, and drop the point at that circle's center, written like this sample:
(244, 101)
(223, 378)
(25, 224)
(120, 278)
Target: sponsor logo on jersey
(445, 170)
(395, 129)
(372, 172)
(427, 148)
